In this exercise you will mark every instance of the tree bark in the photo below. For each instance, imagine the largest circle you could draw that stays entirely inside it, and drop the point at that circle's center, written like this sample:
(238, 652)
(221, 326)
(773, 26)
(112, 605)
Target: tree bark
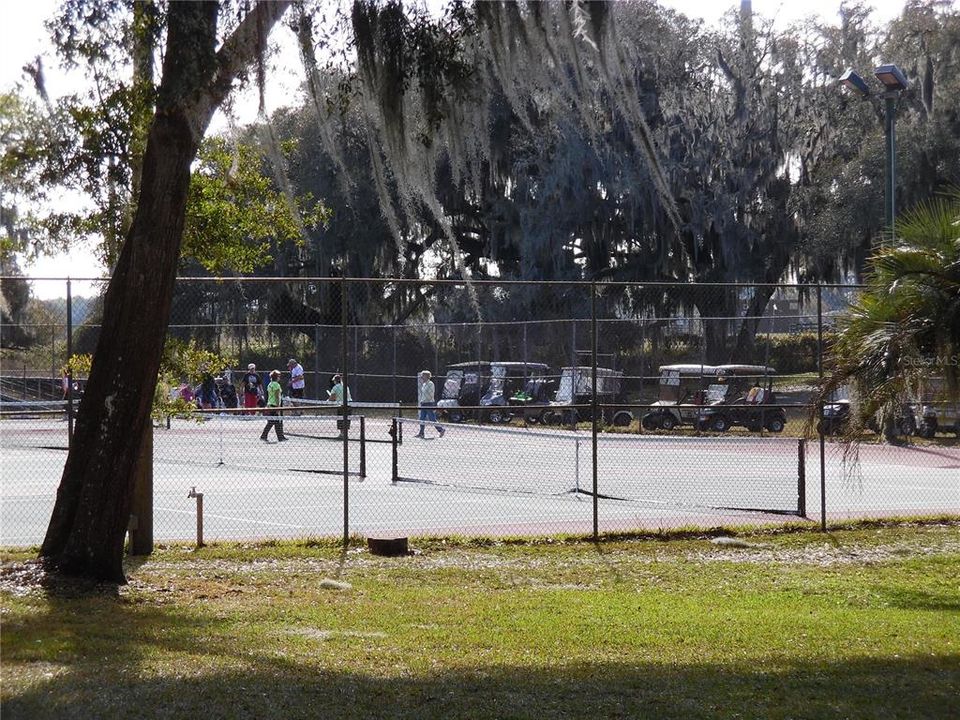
(89, 521)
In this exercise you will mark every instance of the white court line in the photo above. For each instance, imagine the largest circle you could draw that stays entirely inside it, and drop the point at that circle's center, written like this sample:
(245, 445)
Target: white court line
(235, 519)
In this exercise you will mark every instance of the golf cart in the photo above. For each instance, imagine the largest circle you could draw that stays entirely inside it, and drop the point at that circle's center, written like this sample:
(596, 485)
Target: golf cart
(533, 400)
(910, 420)
(682, 389)
(461, 389)
(482, 389)
(576, 388)
(742, 396)
(506, 379)
(836, 413)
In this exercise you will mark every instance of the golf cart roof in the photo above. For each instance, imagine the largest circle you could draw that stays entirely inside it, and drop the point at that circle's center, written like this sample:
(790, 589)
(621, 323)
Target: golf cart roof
(745, 370)
(511, 365)
(690, 369)
(589, 368)
(468, 365)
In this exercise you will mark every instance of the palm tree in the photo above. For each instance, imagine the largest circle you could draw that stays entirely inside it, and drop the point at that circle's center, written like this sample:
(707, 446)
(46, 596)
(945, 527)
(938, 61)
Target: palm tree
(904, 327)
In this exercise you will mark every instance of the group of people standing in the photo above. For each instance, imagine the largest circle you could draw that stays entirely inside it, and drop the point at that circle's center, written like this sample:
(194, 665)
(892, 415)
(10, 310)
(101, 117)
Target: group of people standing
(271, 400)
(256, 392)
(270, 396)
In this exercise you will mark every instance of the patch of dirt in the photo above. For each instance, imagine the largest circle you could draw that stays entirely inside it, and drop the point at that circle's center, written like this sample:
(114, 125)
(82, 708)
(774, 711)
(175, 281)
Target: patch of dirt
(33, 578)
(318, 634)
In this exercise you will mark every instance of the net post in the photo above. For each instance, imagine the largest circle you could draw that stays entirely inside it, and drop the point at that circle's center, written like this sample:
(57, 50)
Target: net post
(576, 465)
(801, 477)
(395, 430)
(363, 446)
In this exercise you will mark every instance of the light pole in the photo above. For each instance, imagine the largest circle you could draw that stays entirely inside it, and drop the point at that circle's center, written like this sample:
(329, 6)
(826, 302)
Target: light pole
(894, 82)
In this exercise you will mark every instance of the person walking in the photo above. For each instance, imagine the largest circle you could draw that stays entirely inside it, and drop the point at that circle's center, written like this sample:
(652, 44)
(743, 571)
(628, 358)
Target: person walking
(426, 399)
(335, 394)
(274, 401)
(297, 382)
(251, 389)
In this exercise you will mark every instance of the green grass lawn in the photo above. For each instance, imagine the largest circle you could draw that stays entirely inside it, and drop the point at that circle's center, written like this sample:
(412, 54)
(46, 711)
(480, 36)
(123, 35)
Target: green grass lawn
(860, 623)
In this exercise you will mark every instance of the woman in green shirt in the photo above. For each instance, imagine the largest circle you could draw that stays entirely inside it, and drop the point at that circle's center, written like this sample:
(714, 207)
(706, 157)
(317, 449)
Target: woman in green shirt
(274, 401)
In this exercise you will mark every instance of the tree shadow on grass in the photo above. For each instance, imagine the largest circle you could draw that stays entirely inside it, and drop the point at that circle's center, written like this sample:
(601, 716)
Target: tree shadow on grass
(105, 656)
(99, 677)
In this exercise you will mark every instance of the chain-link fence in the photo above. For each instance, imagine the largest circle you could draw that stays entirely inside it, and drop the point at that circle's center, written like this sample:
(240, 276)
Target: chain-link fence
(551, 408)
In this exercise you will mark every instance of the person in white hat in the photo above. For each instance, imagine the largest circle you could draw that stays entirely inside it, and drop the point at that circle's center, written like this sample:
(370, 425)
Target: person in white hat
(251, 389)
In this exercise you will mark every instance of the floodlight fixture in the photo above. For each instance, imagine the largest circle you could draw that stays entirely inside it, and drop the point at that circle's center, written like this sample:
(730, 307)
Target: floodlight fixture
(852, 81)
(892, 78)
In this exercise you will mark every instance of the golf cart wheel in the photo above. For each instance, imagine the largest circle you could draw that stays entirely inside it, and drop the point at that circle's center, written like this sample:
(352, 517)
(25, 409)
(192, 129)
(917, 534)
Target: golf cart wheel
(775, 425)
(549, 417)
(497, 416)
(455, 417)
(650, 422)
(622, 419)
(720, 424)
(668, 422)
(532, 418)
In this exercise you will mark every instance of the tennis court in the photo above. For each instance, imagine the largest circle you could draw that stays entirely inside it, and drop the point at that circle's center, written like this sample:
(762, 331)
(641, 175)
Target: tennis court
(473, 481)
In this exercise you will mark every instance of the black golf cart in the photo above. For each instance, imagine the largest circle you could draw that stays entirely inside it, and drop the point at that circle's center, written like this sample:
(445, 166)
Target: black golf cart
(483, 389)
(462, 389)
(533, 399)
(506, 379)
(748, 400)
(576, 388)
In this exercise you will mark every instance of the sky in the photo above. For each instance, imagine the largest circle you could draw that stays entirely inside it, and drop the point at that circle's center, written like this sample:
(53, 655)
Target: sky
(22, 38)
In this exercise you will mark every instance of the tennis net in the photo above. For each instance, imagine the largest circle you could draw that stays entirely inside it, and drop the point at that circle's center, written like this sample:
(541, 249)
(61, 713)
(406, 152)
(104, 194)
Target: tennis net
(313, 441)
(33, 424)
(764, 474)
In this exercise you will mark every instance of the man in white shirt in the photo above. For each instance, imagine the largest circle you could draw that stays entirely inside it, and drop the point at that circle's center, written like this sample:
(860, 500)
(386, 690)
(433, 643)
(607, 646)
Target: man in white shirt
(296, 378)
(426, 399)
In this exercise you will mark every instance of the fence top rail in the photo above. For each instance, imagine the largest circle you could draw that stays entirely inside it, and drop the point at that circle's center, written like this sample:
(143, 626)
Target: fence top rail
(478, 282)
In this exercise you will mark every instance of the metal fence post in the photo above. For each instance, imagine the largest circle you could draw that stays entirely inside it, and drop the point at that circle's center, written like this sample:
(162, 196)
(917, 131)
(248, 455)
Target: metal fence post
(345, 410)
(394, 327)
(394, 443)
(594, 409)
(69, 368)
(318, 387)
(801, 477)
(823, 448)
(363, 446)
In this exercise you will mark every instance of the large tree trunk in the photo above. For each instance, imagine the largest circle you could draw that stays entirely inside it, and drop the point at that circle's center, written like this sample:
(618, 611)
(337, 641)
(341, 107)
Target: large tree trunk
(747, 336)
(86, 532)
